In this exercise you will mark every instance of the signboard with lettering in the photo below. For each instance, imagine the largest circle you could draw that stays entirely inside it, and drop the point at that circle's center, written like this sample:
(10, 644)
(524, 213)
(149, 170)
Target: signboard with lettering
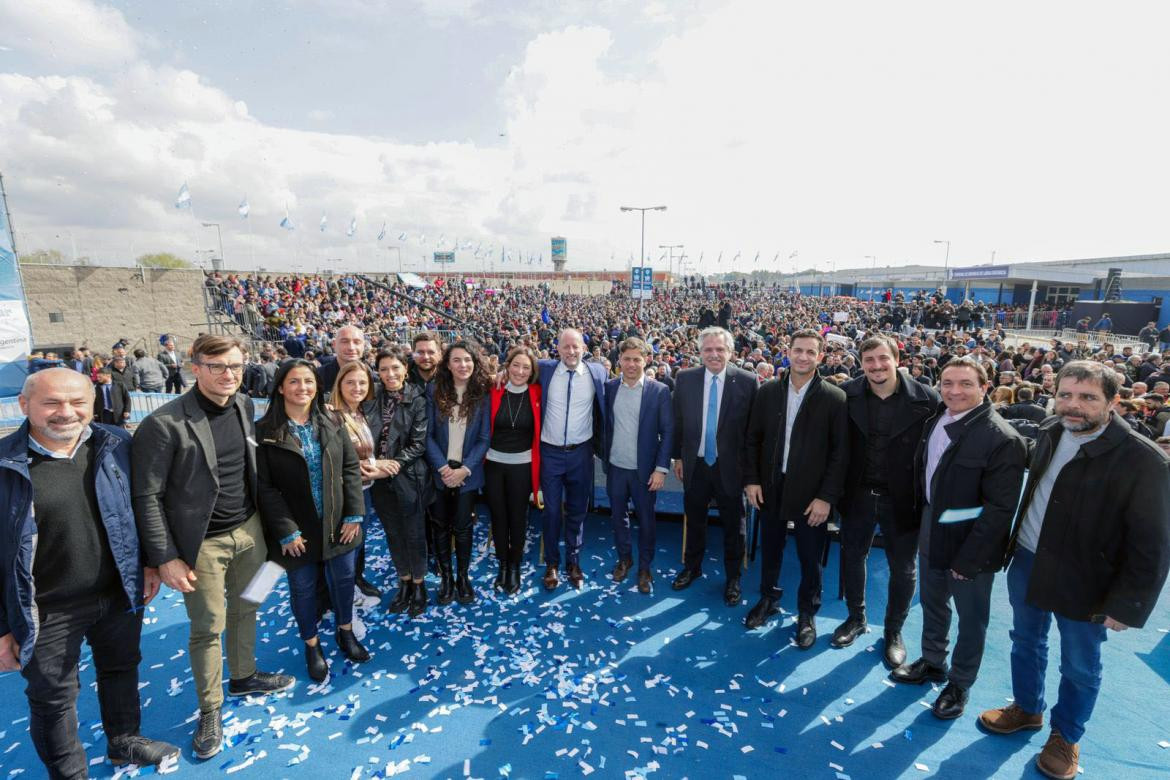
(642, 283)
(981, 272)
(444, 257)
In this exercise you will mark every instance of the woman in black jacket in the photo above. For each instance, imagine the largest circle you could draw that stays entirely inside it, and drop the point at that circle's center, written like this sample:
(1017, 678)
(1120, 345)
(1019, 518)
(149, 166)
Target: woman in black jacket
(398, 418)
(311, 502)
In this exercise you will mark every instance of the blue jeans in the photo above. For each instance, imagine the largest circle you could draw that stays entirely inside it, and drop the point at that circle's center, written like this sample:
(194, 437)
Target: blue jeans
(622, 485)
(302, 591)
(1080, 656)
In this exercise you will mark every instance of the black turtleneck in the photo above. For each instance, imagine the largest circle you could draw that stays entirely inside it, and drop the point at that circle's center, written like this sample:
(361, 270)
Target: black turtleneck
(233, 503)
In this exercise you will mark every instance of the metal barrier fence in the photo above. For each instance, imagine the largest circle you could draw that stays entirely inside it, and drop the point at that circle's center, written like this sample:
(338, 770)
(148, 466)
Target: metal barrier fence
(142, 405)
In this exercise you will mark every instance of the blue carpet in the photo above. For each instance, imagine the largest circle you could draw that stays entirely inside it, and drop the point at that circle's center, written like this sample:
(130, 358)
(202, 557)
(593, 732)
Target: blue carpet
(610, 683)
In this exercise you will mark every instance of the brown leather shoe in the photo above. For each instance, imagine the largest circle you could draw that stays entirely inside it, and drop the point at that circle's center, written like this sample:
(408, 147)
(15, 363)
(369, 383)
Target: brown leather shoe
(1058, 759)
(575, 575)
(1010, 719)
(622, 569)
(551, 579)
(645, 582)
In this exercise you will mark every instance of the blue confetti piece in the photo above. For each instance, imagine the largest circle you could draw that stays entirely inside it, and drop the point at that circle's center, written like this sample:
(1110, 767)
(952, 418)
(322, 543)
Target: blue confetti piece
(484, 742)
(781, 750)
(907, 735)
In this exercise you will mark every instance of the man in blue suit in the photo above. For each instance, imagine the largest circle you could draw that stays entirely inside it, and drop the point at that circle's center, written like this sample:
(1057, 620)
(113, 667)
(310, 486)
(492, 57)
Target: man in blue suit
(638, 429)
(572, 432)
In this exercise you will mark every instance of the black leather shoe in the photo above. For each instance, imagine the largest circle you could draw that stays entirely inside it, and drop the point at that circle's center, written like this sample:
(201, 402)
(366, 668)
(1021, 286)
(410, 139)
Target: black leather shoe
(316, 663)
(351, 647)
(759, 614)
(402, 598)
(732, 592)
(845, 634)
(950, 703)
(501, 582)
(208, 739)
(140, 750)
(418, 601)
(806, 632)
(367, 588)
(684, 578)
(261, 683)
(446, 587)
(464, 593)
(895, 653)
(512, 580)
(919, 672)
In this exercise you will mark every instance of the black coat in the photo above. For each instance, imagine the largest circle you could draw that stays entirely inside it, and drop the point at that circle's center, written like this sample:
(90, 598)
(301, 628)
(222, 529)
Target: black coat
(1024, 410)
(915, 404)
(406, 442)
(1104, 548)
(286, 499)
(734, 411)
(982, 469)
(818, 451)
(119, 405)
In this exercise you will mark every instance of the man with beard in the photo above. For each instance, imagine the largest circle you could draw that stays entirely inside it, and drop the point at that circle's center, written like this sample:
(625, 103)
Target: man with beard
(427, 351)
(1090, 547)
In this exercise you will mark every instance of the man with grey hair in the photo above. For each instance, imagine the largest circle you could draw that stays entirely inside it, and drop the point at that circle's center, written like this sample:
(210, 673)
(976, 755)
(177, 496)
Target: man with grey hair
(712, 406)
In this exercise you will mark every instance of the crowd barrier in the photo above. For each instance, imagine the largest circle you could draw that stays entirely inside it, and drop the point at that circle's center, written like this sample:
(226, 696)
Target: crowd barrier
(141, 406)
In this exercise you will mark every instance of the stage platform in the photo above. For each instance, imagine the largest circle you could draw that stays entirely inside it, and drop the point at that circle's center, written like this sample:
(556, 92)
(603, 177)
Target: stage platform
(609, 683)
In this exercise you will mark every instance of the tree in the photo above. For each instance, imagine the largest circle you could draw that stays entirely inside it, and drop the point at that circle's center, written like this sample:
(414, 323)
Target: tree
(43, 257)
(163, 260)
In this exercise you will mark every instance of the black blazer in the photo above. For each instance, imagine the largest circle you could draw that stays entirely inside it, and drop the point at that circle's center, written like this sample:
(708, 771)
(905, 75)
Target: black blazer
(981, 474)
(406, 442)
(286, 499)
(1104, 548)
(734, 411)
(175, 478)
(119, 404)
(915, 404)
(818, 450)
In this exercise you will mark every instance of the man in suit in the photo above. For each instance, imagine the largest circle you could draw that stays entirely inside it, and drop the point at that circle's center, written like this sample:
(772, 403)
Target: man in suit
(795, 455)
(969, 468)
(712, 405)
(639, 427)
(572, 432)
(887, 410)
(194, 487)
(111, 400)
(349, 345)
(173, 362)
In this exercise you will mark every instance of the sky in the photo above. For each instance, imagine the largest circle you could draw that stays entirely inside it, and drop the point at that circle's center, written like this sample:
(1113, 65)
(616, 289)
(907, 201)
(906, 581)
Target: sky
(780, 136)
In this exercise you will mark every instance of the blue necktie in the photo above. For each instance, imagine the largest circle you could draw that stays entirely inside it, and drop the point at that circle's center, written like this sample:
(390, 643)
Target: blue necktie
(568, 402)
(712, 421)
(106, 397)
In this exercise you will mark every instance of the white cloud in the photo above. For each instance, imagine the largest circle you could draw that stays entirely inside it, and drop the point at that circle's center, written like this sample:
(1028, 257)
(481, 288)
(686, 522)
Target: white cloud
(69, 32)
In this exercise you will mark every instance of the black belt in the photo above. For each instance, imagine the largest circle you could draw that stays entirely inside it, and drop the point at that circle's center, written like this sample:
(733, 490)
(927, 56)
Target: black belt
(567, 447)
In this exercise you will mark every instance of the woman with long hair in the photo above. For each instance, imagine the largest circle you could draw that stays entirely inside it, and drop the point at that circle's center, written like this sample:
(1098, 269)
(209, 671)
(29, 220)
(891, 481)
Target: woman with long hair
(401, 489)
(512, 468)
(311, 502)
(352, 399)
(457, 442)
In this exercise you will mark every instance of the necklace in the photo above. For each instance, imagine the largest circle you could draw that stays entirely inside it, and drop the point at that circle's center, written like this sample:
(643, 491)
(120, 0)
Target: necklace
(512, 415)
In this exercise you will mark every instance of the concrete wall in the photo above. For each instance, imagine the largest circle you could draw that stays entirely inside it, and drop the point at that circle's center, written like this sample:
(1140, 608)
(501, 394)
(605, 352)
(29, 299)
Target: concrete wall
(98, 306)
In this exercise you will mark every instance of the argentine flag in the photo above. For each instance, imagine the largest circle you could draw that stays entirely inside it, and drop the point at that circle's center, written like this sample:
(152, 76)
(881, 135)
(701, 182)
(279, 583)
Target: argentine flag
(382, 232)
(243, 208)
(184, 199)
(287, 223)
(352, 227)
(324, 222)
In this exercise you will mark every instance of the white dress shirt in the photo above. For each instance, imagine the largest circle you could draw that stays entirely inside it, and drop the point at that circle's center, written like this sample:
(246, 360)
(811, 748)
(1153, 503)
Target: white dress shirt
(795, 399)
(938, 443)
(552, 427)
(720, 385)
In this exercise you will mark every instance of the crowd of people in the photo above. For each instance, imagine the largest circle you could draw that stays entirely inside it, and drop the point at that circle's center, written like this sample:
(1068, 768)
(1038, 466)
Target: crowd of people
(914, 418)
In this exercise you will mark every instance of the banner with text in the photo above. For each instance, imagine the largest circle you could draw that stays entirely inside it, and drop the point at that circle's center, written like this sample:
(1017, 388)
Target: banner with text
(15, 334)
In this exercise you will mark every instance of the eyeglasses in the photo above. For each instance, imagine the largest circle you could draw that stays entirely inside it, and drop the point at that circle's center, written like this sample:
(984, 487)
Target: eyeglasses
(217, 369)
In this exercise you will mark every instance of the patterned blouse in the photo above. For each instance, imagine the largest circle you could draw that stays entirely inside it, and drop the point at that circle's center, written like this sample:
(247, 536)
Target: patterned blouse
(311, 449)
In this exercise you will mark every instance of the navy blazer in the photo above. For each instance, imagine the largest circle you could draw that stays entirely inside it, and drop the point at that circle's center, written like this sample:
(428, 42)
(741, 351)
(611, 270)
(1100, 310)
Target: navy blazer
(600, 410)
(655, 426)
(475, 442)
(734, 412)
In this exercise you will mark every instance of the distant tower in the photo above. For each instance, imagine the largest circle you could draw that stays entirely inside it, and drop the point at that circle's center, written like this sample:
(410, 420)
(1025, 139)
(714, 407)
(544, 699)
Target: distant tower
(559, 254)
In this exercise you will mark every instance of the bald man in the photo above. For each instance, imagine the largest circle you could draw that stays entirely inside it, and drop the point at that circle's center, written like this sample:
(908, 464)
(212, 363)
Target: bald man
(349, 345)
(572, 432)
(73, 583)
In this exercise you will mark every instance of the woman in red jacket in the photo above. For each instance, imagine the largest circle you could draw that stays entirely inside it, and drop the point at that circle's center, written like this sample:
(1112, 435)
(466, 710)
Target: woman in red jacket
(512, 468)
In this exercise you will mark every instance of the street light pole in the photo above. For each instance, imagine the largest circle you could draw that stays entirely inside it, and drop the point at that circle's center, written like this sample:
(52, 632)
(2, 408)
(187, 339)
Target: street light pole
(873, 280)
(219, 236)
(670, 259)
(946, 263)
(642, 255)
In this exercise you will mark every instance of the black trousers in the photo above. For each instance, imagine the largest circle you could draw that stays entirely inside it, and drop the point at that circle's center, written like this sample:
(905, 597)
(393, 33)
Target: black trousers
(867, 513)
(113, 632)
(507, 487)
(704, 486)
(451, 516)
(810, 550)
(175, 382)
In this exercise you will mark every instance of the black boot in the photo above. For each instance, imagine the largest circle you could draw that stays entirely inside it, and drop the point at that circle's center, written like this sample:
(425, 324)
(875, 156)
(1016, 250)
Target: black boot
(464, 593)
(402, 598)
(512, 584)
(501, 583)
(315, 660)
(418, 601)
(350, 645)
(446, 584)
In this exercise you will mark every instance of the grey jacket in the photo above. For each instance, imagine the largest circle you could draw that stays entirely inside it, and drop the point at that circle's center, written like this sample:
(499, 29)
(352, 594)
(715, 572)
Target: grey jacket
(149, 373)
(175, 480)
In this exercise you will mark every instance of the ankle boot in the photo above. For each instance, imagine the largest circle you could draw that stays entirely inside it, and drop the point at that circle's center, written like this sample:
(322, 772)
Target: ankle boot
(512, 584)
(315, 661)
(501, 583)
(465, 594)
(446, 584)
(351, 647)
(418, 601)
(402, 598)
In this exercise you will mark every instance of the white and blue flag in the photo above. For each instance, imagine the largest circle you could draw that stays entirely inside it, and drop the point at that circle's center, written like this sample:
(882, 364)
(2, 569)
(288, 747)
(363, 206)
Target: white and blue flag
(244, 209)
(183, 201)
(352, 227)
